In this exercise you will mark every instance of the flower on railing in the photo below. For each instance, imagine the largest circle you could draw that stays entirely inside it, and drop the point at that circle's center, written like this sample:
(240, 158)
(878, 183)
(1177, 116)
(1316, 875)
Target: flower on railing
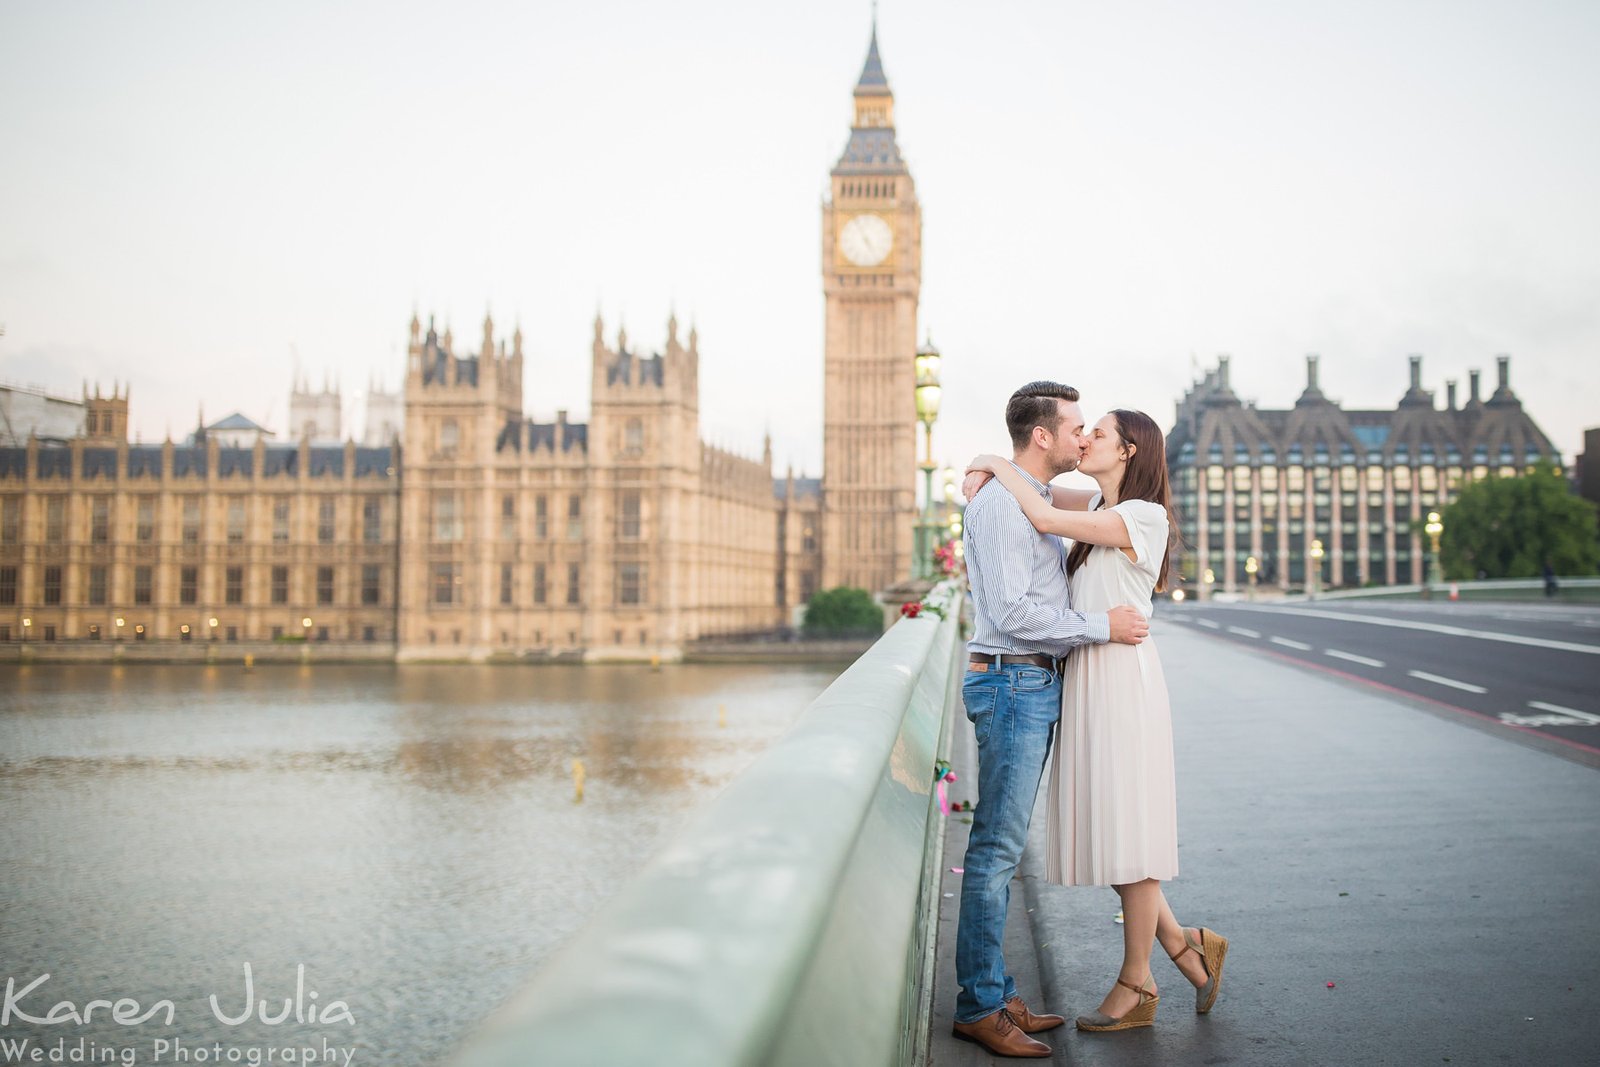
(946, 559)
(911, 610)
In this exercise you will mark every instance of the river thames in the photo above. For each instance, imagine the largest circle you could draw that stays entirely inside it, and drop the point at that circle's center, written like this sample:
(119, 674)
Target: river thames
(401, 840)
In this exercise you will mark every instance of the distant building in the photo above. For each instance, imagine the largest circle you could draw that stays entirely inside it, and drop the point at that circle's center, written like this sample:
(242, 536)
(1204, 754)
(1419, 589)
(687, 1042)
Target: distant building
(385, 421)
(1588, 466)
(316, 416)
(233, 431)
(27, 411)
(1251, 482)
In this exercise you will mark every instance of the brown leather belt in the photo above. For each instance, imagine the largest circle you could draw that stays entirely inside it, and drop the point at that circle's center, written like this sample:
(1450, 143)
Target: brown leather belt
(996, 659)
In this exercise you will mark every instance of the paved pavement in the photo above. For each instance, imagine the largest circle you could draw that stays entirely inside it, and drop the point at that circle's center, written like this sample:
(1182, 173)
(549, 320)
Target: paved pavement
(1444, 880)
(1530, 668)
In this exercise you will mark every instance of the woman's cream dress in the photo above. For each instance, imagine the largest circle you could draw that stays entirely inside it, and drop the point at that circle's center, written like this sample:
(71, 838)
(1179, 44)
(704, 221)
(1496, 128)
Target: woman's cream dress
(1113, 816)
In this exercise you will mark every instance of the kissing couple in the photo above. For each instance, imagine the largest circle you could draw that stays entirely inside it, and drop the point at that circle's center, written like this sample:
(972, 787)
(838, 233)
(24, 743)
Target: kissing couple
(1061, 658)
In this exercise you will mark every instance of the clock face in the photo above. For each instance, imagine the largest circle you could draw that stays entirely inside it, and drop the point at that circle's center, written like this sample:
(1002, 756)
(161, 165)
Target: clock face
(866, 240)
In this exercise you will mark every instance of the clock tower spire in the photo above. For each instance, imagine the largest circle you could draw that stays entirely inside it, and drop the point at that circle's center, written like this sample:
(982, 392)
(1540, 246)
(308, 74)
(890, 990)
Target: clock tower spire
(871, 282)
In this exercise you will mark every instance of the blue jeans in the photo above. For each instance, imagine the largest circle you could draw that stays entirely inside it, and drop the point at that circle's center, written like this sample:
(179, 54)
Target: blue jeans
(1012, 709)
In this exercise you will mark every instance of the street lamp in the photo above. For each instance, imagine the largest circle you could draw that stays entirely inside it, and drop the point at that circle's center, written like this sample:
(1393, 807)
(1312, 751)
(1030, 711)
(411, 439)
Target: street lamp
(1250, 568)
(305, 626)
(120, 623)
(27, 624)
(1316, 568)
(1434, 528)
(213, 623)
(928, 395)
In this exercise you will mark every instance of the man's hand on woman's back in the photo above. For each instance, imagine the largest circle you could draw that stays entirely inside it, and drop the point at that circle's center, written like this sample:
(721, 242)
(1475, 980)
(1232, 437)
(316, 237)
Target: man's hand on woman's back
(1128, 627)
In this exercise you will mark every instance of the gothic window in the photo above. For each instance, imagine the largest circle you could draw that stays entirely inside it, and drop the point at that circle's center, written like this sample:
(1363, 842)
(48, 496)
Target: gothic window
(449, 437)
(327, 520)
(372, 520)
(280, 522)
(188, 585)
(55, 519)
(235, 520)
(143, 577)
(631, 583)
(446, 518)
(191, 520)
(371, 579)
(100, 520)
(324, 585)
(574, 518)
(633, 437)
(444, 583)
(280, 585)
(628, 510)
(145, 527)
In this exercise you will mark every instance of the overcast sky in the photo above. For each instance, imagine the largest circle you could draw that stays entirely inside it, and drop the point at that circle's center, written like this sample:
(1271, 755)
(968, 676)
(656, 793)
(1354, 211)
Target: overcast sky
(194, 194)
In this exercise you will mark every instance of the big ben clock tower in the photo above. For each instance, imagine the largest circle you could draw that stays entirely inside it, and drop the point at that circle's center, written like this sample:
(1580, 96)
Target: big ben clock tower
(871, 277)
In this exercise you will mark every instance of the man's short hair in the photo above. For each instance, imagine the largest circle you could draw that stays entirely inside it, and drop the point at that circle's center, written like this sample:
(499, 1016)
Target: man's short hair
(1035, 405)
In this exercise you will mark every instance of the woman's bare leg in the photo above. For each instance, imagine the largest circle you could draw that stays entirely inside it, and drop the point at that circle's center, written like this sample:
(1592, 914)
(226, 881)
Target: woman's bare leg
(1141, 911)
(1170, 934)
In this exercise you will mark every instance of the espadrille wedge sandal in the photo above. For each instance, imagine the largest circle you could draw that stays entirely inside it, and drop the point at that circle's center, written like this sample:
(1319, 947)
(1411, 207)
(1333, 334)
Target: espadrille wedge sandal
(1143, 1014)
(1212, 948)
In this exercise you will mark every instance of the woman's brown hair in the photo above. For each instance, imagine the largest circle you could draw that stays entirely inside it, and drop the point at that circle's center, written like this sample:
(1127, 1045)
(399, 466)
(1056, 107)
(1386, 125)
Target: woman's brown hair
(1144, 478)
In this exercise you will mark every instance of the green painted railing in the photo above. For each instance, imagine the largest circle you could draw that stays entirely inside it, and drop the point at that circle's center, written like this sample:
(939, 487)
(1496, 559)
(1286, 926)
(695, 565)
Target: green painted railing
(792, 920)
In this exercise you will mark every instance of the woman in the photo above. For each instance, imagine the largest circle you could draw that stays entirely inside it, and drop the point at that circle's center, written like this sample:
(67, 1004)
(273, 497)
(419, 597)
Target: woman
(1112, 816)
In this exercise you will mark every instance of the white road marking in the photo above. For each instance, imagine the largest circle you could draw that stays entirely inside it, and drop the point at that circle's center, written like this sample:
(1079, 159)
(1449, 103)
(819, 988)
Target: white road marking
(1353, 658)
(1438, 680)
(1430, 627)
(1587, 717)
(1208, 624)
(1286, 643)
(1242, 632)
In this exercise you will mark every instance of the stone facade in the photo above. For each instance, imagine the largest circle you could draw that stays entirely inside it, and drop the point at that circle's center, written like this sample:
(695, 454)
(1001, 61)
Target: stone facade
(1249, 481)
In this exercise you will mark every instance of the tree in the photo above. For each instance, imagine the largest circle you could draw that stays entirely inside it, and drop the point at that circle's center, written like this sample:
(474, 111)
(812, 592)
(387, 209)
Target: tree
(1512, 527)
(842, 611)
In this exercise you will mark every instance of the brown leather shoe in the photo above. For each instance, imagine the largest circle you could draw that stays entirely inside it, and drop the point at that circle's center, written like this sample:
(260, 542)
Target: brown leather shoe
(999, 1034)
(1028, 1021)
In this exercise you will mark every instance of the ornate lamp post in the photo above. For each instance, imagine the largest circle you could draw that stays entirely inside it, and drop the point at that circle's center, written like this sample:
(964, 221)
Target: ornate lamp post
(1250, 568)
(928, 394)
(1316, 569)
(212, 622)
(305, 626)
(1434, 528)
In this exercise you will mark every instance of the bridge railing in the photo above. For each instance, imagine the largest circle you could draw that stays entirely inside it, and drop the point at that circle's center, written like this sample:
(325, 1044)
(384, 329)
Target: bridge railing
(792, 920)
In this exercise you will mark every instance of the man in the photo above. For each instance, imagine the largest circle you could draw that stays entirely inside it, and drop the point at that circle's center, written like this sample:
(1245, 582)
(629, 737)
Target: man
(1025, 627)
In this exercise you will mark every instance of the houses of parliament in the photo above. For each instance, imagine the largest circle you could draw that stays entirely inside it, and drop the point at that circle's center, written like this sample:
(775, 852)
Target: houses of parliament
(464, 529)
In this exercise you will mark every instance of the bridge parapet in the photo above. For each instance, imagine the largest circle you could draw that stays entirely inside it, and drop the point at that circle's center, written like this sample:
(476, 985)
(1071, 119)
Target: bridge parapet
(792, 921)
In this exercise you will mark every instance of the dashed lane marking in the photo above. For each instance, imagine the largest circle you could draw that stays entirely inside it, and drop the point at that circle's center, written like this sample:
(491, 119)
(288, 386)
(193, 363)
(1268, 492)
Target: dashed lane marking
(1437, 679)
(1353, 658)
(1430, 627)
(1242, 632)
(1286, 643)
(1208, 624)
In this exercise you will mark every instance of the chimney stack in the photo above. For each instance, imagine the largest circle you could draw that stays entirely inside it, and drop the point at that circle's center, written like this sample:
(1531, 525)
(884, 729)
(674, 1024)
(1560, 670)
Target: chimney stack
(1222, 373)
(1311, 373)
(1503, 367)
(1450, 395)
(1472, 387)
(1416, 372)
